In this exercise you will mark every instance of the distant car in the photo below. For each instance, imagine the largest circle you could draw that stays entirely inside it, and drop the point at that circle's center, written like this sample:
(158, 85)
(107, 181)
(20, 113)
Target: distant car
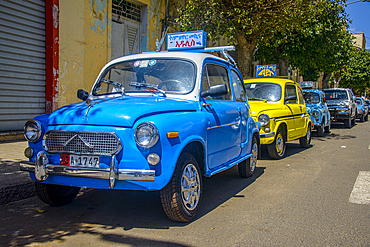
(342, 105)
(318, 110)
(362, 109)
(156, 121)
(278, 105)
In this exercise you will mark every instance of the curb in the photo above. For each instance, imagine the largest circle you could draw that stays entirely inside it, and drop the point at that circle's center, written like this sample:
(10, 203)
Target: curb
(17, 192)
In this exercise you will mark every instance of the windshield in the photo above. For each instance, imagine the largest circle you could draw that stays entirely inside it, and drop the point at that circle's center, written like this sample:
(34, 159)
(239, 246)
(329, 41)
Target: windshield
(311, 97)
(263, 91)
(336, 94)
(156, 75)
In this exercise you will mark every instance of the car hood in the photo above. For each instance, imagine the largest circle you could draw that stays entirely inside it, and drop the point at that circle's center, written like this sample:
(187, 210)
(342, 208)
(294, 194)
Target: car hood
(120, 112)
(336, 102)
(259, 107)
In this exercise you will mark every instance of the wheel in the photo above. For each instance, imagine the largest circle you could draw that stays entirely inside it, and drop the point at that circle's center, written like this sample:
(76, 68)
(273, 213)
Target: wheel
(347, 123)
(353, 121)
(362, 118)
(56, 195)
(247, 167)
(327, 128)
(181, 196)
(320, 130)
(277, 149)
(305, 141)
(367, 117)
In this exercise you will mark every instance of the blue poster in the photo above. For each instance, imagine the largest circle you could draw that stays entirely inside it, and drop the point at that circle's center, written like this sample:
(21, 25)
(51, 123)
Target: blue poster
(266, 70)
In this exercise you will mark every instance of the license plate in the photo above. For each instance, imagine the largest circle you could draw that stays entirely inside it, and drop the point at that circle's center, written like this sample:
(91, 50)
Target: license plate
(80, 160)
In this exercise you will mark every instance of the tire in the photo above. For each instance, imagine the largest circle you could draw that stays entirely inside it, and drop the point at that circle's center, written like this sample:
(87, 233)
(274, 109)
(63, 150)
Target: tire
(246, 168)
(56, 195)
(305, 141)
(362, 119)
(277, 149)
(367, 117)
(353, 121)
(347, 123)
(327, 128)
(180, 200)
(320, 130)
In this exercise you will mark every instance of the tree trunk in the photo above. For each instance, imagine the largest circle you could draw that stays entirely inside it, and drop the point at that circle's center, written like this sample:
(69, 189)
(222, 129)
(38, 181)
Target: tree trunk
(325, 80)
(283, 67)
(245, 55)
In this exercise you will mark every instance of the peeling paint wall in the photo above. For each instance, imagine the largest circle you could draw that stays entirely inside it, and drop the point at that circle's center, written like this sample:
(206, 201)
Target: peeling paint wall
(85, 41)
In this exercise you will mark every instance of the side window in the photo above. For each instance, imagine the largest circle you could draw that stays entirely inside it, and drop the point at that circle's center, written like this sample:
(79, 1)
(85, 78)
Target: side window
(239, 90)
(300, 96)
(291, 94)
(214, 75)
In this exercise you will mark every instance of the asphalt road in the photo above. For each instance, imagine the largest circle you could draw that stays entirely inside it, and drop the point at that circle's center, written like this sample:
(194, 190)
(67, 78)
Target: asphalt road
(301, 200)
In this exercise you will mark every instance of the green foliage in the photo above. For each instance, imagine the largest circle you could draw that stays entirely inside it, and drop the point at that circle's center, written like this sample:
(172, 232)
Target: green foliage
(357, 71)
(318, 42)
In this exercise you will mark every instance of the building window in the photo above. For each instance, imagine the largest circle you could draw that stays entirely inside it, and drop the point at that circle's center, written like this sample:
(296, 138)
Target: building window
(126, 9)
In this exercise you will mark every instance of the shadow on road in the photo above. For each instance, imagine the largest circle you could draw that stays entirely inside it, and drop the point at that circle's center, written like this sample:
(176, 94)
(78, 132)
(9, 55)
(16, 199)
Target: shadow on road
(111, 214)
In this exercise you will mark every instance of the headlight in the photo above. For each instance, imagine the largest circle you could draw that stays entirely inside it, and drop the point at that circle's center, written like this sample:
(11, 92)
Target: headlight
(264, 119)
(315, 113)
(32, 130)
(146, 135)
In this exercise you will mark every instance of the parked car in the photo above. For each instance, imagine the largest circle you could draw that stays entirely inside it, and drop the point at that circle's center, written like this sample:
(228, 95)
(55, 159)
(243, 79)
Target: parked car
(318, 110)
(278, 105)
(342, 105)
(362, 109)
(152, 122)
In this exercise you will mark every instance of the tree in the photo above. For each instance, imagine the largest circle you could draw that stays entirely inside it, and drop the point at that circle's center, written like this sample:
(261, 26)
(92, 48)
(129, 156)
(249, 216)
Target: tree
(317, 43)
(243, 22)
(357, 72)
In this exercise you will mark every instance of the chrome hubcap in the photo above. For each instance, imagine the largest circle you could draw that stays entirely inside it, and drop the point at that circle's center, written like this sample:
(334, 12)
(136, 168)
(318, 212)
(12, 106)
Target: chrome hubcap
(190, 187)
(253, 162)
(280, 144)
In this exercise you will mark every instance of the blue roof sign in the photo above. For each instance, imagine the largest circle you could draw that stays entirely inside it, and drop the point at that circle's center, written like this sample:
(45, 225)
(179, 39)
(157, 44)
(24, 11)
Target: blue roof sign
(186, 40)
(266, 70)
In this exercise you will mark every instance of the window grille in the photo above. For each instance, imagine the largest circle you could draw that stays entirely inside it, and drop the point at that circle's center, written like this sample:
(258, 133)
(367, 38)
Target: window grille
(126, 9)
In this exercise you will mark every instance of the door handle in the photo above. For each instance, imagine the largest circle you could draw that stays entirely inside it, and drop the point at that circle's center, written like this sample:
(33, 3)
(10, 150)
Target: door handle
(206, 104)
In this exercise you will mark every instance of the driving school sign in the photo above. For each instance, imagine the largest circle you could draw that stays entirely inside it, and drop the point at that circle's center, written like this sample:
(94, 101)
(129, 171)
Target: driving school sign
(188, 40)
(266, 70)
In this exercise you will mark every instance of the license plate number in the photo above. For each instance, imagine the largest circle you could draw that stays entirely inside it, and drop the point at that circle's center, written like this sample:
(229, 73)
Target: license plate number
(80, 160)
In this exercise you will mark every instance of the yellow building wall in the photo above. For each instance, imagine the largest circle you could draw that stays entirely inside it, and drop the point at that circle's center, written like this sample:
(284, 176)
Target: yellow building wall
(85, 41)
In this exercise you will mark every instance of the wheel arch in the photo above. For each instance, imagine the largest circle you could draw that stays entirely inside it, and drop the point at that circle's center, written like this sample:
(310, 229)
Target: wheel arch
(197, 149)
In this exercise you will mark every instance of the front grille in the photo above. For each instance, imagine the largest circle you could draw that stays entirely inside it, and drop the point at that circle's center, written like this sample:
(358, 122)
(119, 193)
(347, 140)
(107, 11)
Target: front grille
(81, 142)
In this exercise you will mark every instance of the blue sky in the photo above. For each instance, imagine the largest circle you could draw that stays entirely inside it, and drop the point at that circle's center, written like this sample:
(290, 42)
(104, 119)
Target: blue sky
(359, 13)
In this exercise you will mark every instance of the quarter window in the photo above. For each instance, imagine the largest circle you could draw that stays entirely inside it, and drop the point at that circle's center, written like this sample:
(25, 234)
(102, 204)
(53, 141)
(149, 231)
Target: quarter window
(239, 90)
(300, 96)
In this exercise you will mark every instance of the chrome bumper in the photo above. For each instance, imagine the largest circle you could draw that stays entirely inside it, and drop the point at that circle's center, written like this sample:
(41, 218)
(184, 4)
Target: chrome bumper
(267, 135)
(42, 169)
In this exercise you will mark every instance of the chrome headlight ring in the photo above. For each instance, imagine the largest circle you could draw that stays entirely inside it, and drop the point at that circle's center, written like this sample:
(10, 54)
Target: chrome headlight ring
(315, 113)
(146, 135)
(264, 119)
(32, 130)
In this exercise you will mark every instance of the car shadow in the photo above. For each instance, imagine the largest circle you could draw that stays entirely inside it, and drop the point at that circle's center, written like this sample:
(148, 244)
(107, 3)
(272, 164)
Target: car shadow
(96, 211)
(292, 148)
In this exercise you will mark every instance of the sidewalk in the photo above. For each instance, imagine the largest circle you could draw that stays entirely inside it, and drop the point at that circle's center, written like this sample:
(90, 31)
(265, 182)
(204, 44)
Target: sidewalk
(14, 184)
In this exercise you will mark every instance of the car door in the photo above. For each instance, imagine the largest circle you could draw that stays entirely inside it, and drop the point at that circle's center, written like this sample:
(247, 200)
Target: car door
(325, 108)
(292, 103)
(222, 117)
(240, 96)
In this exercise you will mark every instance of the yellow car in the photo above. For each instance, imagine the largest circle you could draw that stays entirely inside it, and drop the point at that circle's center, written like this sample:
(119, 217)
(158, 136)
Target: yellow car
(278, 105)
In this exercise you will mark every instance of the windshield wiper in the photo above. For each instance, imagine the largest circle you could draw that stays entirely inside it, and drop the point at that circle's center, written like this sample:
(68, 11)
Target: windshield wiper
(116, 84)
(145, 85)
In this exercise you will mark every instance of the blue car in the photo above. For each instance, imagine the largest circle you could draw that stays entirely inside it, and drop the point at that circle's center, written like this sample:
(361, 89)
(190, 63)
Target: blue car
(318, 110)
(156, 121)
(362, 109)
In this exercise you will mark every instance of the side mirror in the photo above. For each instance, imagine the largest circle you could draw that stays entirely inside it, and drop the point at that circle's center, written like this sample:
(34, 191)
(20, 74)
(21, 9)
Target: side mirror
(216, 90)
(289, 98)
(82, 94)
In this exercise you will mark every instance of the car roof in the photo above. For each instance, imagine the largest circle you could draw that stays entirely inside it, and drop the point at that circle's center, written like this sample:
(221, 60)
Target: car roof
(269, 79)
